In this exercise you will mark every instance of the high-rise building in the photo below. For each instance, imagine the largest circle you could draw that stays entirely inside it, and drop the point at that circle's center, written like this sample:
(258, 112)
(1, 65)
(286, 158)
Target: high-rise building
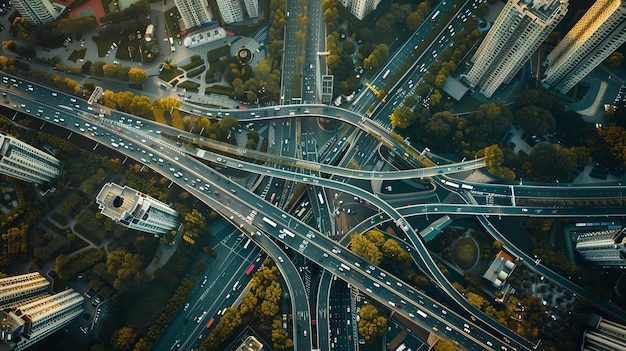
(22, 161)
(30, 314)
(37, 11)
(136, 210)
(252, 8)
(193, 12)
(517, 32)
(360, 8)
(594, 37)
(605, 336)
(230, 10)
(604, 247)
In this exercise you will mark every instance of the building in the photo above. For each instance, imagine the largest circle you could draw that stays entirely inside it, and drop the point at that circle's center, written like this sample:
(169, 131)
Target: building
(136, 210)
(600, 31)
(29, 313)
(500, 269)
(37, 11)
(604, 246)
(250, 344)
(604, 336)
(252, 8)
(230, 10)
(360, 8)
(22, 161)
(515, 35)
(193, 12)
(204, 37)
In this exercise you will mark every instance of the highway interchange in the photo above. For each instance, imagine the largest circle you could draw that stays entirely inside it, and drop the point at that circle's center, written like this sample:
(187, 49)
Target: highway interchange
(299, 156)
(236, 203)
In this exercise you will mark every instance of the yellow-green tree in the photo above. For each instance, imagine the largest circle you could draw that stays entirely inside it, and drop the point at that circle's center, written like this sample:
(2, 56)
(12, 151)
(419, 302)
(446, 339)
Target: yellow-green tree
(371, 324)
(361, 246)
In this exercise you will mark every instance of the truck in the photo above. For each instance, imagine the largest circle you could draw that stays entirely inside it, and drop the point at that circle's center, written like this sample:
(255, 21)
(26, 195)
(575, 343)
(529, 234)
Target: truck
(435, 15)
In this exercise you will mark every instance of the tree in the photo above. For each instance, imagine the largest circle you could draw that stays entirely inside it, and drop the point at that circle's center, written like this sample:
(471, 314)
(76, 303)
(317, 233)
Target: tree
(123, 339)
(414, 20)
(614, 60)
(401, 117)
(137, 75)
(169, 103)
(551, 161)
(535, 120)
(361, 246)
(371, 324)
(444, 345)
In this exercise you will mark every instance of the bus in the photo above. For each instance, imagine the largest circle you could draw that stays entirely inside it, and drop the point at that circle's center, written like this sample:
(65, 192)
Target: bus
(421, 313)
(171, 41)
(344, 266)
(245, 246)
(241, 107)
(435, 15)
(386, 74)
(468, 187)
(401, 347)
(285, 231)
(301, 212)
(236, 285)
(210, 323)
(250, 269)
(319, 196)
(269, 221)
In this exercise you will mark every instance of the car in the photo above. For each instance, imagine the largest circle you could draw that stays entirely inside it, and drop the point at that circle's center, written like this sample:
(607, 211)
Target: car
(280, 259)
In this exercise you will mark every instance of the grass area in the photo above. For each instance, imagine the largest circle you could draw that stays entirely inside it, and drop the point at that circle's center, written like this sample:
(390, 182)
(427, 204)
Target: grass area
(77, 54)
(219, 89)
(465, 252)
(189, 86)
(53, 228)
(59, 218)
(144, 309)
(87, 234)
(192, 65)
(169, 74)
(196, 72)
(104, 44)
(216, 55)
(177, 120)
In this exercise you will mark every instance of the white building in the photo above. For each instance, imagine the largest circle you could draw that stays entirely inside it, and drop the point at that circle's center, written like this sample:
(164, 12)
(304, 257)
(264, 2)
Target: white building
(604, 247)
(30, 314)
(24, 162)
(515, 35)
(252, 8)
(596, 35)
(230, 10)
(360, 8)
(136, 210)
(37, 11)
(607, 336)
(193, 12)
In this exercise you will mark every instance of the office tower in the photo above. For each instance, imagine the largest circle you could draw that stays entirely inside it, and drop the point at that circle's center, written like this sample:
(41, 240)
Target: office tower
(24, 162)
(136, 210)
(607, 336)
(230, 10)
(596, 35)
(30, 314)
(605, 247)
(252, 8)
(517, 32)
(193, 12)
(360, 8)
(36, 11)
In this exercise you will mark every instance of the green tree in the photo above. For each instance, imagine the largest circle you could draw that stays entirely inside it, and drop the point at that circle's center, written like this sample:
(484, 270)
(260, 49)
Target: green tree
(361, 246)
(535, 120)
